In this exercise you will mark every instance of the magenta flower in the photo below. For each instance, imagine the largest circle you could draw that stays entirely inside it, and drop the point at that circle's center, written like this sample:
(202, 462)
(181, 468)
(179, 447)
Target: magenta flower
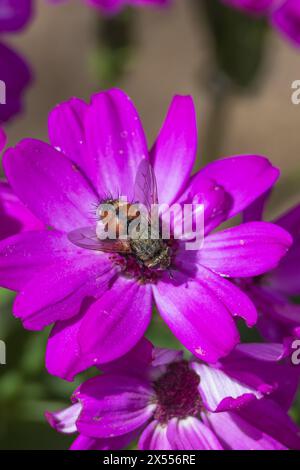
(111, 7)
(16, 75)
(173, 404)
(279, 316)
(284, 15)
(101, 303)
(14, 14)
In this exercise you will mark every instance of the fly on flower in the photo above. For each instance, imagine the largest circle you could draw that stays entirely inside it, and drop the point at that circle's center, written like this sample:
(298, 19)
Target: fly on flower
(126, 228)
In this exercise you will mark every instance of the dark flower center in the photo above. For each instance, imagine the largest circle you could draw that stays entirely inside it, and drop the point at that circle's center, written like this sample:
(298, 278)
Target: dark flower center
(177, 394)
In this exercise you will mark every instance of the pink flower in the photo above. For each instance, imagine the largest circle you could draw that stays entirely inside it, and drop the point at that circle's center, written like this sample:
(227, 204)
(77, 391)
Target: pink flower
(284, 15)
(173, 404)
(101, 303)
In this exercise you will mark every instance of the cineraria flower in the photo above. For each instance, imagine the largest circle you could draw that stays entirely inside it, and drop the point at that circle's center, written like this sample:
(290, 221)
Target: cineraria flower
(279, 316)
(14, 14)
(14, 216)
(111, 7)
(284, 15)
(100, 302)
(16, 77)
(169, 403)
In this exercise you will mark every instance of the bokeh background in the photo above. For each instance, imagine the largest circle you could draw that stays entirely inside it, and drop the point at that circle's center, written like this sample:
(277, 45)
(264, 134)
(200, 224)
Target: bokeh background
(239, 73)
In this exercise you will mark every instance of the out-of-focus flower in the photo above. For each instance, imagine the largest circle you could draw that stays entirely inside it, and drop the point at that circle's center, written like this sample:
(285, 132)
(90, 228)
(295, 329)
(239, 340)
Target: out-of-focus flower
(16, 77)
(15, 74)
(284, 15)
(102, 302)
(14, 14)
(111, 7)
(272, 293)
(14, 216)
(170, 403)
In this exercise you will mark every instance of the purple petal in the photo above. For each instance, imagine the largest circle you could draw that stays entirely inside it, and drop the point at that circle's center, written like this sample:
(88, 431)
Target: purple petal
(114, 443)
(14, 14)
(64, 420)
(290, 221)
(57, 293)
(154, 437)
(286, 19)
(246, 250)
(15, 217)
(175, 150)
(63, 355)
(220, 392)
(285, 278)
(245, 178)
(16, 75)
(238, 434)
(261, 425)
(237, 302)
(162, 357)
(23, 256)
(116, 322)
(54, 190)
(191, 434)
(137, 361)
(113, 405)
(263, 368)
(66, 130)
(196, 316)
(115, 142)
(255, 211)
(217, 203)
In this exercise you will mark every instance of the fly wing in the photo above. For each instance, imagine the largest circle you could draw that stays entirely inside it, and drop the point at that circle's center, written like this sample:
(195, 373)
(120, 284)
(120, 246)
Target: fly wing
(145, 188)
(86, 237)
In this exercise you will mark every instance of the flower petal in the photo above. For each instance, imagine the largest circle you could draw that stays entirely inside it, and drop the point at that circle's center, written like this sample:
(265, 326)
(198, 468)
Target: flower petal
(215, 200)
(174, 152)
(261, 425)
(66, 129)
(24, 255)
(64, 420)
(285, 18)
(15, 14)
(58, 292)
(191, 434)
(54, 190)
(115, 142)
(220, 392)
(113, 405)
(246, 250)
(15, 217)
(244, 177)
(89, 443)
(154, 437)
(116, 322)
(196, 316)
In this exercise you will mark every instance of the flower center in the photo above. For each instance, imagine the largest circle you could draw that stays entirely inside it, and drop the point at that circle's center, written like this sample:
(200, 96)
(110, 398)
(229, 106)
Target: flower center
(177, 394)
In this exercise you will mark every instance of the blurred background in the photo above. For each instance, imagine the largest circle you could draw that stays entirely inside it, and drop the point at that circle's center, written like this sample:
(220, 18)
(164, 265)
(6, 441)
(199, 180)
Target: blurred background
(239, 73)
